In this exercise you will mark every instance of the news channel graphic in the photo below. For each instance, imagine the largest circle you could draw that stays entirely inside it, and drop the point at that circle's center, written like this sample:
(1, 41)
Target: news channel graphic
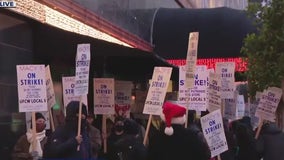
(7, 4)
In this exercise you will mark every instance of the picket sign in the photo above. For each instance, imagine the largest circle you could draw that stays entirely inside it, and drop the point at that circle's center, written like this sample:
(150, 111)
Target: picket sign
(51, 101)
(191, 59)
(83, 57)
(267, 106)
(213, 130)
(68, 89)
(156, 94)
(101, 87)
(31, 83)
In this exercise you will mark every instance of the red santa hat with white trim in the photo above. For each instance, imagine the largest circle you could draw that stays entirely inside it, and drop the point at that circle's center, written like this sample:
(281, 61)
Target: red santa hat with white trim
(172, 114)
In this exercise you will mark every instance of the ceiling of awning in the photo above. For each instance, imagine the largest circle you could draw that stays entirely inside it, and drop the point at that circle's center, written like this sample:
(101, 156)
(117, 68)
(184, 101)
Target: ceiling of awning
(58, 48)
(221, 32)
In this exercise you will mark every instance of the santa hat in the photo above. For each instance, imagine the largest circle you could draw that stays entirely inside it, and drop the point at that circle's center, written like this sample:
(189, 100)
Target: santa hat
(172, 114)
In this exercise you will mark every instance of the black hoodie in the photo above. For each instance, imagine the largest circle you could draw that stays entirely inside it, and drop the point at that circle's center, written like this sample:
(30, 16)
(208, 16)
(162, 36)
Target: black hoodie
(71, 118)
(62, 143)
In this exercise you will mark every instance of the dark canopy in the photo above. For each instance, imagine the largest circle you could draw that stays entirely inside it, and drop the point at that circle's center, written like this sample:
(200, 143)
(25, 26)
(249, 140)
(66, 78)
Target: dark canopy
(221, 31)
(58, 48)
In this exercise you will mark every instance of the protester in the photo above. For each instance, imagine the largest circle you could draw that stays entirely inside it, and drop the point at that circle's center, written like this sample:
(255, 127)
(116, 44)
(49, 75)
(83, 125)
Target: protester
(130, 146)
(94, 135)
(23, 149)
(117, 133)
(176, 141)
(270, 143)
(242, 130)
(231, 153)
(64, 141)
(142, 128)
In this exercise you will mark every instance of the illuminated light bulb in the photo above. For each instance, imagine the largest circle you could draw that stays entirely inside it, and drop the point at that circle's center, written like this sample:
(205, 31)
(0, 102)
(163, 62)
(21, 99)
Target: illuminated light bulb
(45, 14)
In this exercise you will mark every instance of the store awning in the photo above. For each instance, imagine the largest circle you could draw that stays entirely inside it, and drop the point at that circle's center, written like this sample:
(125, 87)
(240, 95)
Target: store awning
(58, 48)
(221, 31)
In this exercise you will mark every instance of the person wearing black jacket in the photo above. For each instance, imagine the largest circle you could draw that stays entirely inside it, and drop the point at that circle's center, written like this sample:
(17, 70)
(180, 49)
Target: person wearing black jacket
(243, 131)
(176, 141)
(64, 140)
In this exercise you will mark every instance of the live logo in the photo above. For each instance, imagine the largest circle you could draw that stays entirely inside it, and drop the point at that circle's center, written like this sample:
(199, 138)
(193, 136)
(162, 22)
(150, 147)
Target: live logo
(7, 4)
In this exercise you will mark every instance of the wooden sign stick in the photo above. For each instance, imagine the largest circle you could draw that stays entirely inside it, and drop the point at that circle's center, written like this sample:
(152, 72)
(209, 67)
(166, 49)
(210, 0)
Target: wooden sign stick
(33, 131)
(51, 119)
(259, 128)
(219, 157)
(222, 113)
(186, 114)
(105, 133)
(147, 130)
(79, 121)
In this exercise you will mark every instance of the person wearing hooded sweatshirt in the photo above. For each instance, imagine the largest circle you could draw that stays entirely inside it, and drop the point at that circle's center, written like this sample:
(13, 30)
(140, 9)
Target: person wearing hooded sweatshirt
(23, 149)
(270, 142)
(245, 141)
(63, 142)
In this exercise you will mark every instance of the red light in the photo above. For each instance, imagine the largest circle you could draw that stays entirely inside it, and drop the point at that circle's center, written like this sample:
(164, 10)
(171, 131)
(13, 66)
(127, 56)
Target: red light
(241, 66)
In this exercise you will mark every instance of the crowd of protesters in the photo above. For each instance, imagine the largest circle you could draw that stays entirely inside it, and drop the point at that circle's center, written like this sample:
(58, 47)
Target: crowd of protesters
(168, 138)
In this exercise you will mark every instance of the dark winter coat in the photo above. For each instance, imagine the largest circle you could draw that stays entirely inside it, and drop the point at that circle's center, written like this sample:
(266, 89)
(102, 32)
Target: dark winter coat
(184, 144)
(245, 141)
(231, 153)
(129, 147)
(62, 142)
(270, 143)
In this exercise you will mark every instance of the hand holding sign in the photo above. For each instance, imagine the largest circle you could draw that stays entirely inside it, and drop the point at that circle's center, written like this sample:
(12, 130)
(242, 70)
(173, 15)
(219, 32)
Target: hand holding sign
(83, 58)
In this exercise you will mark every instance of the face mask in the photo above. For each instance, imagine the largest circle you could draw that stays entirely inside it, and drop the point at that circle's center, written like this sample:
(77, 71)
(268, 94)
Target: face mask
(73, 122)
(40, 127)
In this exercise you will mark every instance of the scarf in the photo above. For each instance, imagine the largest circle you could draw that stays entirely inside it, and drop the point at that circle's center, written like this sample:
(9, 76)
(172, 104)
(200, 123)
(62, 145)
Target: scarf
(39, 137)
